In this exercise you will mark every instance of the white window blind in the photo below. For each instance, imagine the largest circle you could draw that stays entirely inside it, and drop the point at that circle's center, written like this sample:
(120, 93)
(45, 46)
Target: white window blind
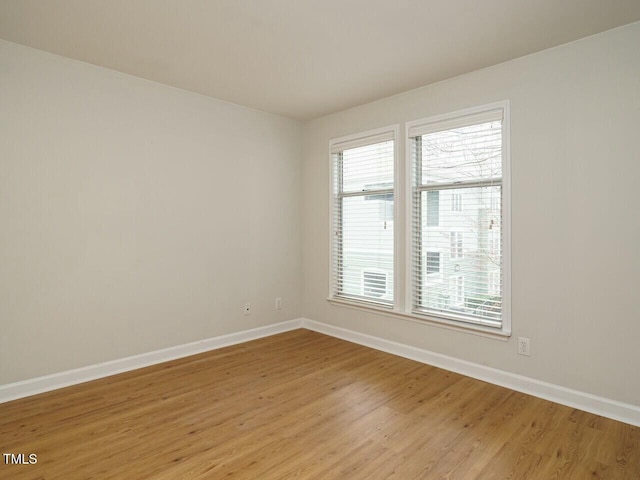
(363, 219)
(457, 210)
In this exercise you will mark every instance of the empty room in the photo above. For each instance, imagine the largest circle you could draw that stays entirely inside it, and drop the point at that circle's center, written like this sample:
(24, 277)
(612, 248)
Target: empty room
(348, 239)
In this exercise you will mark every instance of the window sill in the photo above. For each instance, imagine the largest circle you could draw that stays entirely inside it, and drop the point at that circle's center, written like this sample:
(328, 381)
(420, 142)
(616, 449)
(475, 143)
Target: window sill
(488, 332)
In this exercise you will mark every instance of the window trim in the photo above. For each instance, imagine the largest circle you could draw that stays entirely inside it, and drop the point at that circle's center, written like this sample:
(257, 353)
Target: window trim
(403, 184)
(455, 325)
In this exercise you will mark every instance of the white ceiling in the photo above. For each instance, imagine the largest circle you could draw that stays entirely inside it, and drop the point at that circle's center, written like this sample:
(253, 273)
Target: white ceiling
(303, 58)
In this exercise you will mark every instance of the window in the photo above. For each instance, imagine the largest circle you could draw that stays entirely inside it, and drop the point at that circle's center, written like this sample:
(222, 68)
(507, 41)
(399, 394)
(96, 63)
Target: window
(363, 218)
(456, 245)
(456, 291)
(451, 240)
(456, 202)
(374, 284)
(493, 283)
(433, 262)
(462, 158)
(495, 204)
(433, 208)
(494, 241)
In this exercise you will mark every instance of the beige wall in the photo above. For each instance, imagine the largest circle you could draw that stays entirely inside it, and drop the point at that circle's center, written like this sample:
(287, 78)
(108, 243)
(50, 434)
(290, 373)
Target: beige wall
(135, 216)
(575, 140)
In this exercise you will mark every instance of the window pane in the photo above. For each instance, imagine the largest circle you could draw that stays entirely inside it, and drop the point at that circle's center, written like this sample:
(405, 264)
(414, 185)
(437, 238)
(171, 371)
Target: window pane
(432, 206)
(433, 262)
(363, 256)
(469, 262)
(368, 168)
(374, 284)
(462, 154)
(366, 266)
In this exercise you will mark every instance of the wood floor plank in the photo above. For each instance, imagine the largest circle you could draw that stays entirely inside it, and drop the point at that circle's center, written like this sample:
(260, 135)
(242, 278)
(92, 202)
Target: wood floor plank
(307, 406)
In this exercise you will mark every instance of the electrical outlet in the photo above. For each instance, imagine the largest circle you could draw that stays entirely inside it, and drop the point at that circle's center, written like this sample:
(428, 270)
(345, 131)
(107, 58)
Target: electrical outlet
(523, 346)
(247, 309)
(279, 303)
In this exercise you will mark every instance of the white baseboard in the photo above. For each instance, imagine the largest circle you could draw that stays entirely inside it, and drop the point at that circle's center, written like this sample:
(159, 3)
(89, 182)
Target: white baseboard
(25, 388)
(605, 407)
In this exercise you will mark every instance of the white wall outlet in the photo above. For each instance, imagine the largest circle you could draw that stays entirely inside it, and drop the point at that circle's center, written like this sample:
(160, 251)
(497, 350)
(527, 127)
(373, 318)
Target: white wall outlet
(523, 346)
(247, 309)
(279, 303)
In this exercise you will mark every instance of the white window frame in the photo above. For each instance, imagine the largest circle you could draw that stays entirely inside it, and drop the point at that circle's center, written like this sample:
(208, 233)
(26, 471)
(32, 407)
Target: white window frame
(403, 183)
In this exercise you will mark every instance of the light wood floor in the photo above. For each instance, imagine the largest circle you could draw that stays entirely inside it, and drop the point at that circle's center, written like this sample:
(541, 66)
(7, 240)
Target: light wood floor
(307, 406)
